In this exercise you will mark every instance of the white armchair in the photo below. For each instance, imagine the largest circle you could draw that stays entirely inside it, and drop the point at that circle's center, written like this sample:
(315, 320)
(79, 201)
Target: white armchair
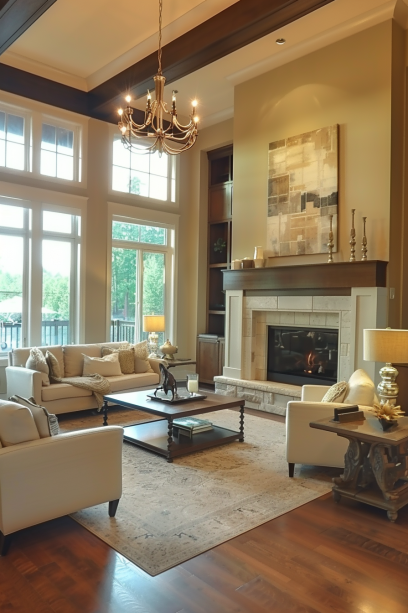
(49, 477)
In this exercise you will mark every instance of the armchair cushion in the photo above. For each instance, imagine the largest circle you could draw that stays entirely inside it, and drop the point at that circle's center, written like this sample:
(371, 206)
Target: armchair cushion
(17, 424)
(336, 393)
(361, 389)
(47, 424)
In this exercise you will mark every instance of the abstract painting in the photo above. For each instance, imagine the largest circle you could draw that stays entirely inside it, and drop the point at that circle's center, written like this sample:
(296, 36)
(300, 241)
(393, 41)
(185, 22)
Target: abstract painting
(302, 193)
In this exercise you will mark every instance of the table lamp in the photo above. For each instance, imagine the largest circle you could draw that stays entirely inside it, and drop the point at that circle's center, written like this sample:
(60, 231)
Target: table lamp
(386, 345)
(153, 324)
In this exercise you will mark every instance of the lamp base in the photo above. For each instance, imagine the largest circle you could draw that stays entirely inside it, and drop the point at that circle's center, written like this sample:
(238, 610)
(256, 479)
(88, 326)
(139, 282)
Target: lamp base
(388, 388)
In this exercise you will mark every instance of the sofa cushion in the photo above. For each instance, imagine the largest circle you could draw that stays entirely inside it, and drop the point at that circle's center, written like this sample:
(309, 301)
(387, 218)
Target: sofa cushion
(126, 358)
(128, 382)
(361, 389)
(19, 357)
(62, 391)
(17, 424)
(36, 361)
(74, 358)
(53, 366)
(47, 423)
(106, 367)
(142, 364)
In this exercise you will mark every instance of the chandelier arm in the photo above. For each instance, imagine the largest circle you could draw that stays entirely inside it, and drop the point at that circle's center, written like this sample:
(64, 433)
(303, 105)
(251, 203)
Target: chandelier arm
(184, 128)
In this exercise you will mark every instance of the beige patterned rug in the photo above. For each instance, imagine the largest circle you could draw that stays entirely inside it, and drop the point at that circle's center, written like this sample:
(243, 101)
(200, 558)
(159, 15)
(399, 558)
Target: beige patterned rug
(172, 512)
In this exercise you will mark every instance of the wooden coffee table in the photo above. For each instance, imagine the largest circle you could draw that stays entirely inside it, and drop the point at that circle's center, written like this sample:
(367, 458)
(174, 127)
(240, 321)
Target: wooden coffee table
(376, 463)
(157, 436)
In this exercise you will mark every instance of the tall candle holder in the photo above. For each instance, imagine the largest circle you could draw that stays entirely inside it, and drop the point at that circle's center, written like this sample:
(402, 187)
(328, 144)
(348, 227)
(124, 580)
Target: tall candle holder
(352, 238)
(330, 242)
(364, 241)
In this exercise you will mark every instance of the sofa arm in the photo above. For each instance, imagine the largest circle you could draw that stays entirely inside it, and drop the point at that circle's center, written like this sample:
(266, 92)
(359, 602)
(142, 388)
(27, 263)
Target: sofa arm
(24, 382)
(47, 478)
(314, 392)
(155, 364)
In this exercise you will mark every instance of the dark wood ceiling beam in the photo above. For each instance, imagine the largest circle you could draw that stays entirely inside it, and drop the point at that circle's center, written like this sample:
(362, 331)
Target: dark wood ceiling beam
(237, 26)
(16, 16)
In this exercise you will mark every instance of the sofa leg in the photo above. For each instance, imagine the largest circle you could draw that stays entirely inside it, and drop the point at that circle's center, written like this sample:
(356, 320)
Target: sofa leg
(113, 505)
(4, 543)
(291, 469)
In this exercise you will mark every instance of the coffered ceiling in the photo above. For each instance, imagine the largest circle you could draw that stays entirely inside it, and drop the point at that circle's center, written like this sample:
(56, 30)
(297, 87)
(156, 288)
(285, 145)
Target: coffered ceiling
(84, 55)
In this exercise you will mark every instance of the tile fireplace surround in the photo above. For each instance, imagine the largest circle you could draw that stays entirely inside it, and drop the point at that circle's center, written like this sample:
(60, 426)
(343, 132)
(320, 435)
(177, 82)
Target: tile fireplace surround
(272, 298)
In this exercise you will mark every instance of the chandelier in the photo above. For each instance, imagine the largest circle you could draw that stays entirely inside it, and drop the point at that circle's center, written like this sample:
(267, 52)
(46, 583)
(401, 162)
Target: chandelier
(173, 138)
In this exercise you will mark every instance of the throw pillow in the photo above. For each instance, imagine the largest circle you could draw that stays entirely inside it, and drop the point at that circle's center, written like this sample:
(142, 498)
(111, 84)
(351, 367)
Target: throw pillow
(53, 365)
(126, 358)
(336, 393)
(37, 361)
(17, 424)
(106, 367)
(47, 423)
(142, 364)
(361, 389)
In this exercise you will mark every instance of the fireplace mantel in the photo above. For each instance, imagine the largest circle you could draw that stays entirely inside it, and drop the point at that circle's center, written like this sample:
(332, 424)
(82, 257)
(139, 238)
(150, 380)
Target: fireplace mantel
(322, 277)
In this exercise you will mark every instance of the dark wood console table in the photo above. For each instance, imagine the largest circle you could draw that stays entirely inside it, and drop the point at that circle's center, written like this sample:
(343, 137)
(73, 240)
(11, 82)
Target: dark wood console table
(376, 463)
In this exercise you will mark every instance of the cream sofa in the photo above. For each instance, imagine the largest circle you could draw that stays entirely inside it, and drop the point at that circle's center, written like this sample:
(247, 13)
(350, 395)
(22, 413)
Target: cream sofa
(43, 477)
(63, 397)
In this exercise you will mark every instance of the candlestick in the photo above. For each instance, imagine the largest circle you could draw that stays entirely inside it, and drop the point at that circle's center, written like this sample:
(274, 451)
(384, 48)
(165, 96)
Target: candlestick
(364, 241)
(330, 242)
(352, 238)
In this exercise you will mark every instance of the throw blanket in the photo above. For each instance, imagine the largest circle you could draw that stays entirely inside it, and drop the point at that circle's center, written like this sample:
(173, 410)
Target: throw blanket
(97, 384)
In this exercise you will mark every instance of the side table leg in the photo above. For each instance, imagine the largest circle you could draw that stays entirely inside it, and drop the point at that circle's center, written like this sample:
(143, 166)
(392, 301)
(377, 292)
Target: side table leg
(169, 439)
(241, 425)
(105, 413)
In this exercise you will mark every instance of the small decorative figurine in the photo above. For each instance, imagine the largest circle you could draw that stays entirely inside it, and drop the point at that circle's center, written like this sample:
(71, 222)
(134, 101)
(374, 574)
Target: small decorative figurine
(352, 238)
(387, 414)
(364, 241)
(330, 242)
(167, 383)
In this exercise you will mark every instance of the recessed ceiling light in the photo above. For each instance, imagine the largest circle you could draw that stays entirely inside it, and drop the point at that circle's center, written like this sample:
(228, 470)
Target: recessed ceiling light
(280, 41)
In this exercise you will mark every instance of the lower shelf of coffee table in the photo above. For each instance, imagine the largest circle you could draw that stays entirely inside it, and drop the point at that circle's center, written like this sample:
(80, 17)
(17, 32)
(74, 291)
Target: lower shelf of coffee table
(154, 436)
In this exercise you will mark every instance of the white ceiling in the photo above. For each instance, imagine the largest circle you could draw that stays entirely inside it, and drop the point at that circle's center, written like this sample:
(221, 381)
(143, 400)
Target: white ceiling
(82, 44)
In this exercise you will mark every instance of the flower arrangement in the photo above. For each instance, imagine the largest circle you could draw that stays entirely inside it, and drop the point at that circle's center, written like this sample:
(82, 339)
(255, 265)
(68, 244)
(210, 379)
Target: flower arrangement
(387, 411)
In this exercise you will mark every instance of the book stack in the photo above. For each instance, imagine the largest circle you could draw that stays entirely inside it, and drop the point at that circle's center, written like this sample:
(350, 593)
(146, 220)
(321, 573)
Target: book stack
(187, 426)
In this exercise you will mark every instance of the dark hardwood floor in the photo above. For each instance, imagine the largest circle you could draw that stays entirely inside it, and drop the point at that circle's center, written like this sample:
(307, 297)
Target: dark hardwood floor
(321, 557)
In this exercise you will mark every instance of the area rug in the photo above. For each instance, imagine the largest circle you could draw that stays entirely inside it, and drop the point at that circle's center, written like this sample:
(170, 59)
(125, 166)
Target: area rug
(172, 512)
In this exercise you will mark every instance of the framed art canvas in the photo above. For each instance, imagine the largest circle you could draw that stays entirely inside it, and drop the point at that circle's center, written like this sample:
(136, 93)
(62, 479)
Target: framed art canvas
(302, 193)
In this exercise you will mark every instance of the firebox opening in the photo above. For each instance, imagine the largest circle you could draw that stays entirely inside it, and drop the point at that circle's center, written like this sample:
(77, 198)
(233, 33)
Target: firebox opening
(302, 355)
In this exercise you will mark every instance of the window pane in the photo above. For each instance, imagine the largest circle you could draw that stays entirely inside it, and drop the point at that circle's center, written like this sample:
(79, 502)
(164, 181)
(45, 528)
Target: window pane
(153, 287)
(124, 301)
(158, 165)
(56, 260)
(48, 163)
(11, 291)
(120, 179)
(15, 128)
(11, 216)
(139, 183)
(2, 152)
(2, 125)
(125, 231)
(121, 156)
(154, 236)
(57, 222)
(48, 140)
(65, 167)
(15, 156)
(65, 141)
(140, 162)
(158, 187)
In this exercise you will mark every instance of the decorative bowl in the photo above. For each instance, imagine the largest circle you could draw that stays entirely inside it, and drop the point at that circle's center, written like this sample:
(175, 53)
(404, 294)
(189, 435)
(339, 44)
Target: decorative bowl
(169, 350)
(247, 263)
(386, 424)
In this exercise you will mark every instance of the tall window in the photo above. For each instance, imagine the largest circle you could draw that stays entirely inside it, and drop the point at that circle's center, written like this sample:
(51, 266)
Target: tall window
(38, 295)
(145, 175)
(12, 141)
(57, 152)
(141, 276)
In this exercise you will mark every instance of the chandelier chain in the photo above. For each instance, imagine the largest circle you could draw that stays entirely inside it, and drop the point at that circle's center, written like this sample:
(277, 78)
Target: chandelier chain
(159, 53)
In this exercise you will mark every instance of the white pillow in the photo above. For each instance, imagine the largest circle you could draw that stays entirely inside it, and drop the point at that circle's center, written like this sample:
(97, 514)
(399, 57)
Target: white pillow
(17, 424)
(361, 389)
(336, 393)
(37, 361)
(107, 366)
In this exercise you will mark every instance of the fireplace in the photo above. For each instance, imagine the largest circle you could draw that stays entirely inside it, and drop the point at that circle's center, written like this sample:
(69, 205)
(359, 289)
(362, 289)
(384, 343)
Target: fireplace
(300, 355)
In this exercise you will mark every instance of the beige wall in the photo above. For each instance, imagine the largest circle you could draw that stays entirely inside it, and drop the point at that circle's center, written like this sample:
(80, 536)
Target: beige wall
(347, 83)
